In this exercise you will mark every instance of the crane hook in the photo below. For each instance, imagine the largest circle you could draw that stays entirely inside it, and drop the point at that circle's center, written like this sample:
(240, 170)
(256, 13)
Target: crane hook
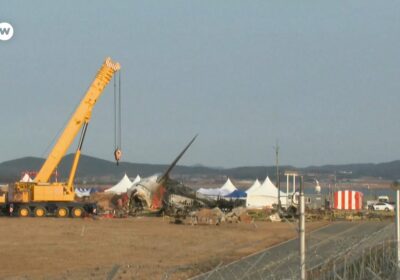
(117, 155)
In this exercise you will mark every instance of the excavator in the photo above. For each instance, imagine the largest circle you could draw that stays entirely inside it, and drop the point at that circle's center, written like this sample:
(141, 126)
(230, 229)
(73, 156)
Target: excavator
(42, 197)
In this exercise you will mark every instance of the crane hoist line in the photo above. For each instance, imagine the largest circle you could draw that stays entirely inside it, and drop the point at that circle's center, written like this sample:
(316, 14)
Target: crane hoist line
(42, 197)
(117, 118)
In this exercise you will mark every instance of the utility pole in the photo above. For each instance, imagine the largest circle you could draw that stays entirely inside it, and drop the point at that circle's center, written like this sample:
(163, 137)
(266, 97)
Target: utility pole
(302, 232)
(334, 188)
(278, 183)
(396, 187)
(398, 230)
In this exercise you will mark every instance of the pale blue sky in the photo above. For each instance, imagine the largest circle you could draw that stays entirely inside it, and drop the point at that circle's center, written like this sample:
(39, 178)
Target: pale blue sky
(322, 77)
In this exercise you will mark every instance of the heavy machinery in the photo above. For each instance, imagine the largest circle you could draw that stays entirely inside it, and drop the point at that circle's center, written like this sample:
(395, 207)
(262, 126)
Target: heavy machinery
(42, 197)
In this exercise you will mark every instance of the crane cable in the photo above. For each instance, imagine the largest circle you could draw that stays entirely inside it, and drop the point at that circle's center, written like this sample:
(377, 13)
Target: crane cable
(117, 119)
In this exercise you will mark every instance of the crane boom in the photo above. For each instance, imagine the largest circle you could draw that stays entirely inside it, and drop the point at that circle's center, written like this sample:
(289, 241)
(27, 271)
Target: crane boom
(80, 117)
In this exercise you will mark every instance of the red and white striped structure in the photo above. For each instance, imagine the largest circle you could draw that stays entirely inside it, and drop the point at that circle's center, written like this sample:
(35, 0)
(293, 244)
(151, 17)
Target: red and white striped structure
(348, 200)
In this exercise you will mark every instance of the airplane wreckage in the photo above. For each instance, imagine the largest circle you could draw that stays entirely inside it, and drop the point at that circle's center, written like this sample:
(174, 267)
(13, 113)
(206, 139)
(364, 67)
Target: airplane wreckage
(159, 194)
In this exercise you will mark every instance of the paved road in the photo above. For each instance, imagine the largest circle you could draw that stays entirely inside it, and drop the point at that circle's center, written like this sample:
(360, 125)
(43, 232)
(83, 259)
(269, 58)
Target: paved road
(282, 261)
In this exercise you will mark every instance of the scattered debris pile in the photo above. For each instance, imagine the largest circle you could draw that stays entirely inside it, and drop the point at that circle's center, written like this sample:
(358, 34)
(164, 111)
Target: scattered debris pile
(261, 214)
(207, 216)
(180, 210)
(274, 218)
(216, 216)
(104, 202)
(109, 204)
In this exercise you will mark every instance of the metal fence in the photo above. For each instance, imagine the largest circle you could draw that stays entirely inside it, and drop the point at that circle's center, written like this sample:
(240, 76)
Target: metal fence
(374, 262)
(342, 257)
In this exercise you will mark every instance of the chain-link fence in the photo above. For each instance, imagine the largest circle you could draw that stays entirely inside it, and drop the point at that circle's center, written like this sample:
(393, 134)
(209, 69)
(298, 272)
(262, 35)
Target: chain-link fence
(373, 262)
(345, 251)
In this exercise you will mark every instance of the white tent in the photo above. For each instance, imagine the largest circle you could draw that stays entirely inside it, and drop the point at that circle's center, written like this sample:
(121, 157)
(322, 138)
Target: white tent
(226, 189)
(136, 180)
(134, 184)
(26, 178)
(121, 187)
(255, 185)
(81, 192)
(208, 192)
(264, 196)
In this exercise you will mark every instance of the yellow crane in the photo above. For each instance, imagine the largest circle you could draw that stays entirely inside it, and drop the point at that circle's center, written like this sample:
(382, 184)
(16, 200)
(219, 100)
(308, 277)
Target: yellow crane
(42, 196)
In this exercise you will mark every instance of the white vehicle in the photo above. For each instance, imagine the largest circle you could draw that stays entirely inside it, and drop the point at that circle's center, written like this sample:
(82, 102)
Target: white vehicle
(383, 206)
(383, 198)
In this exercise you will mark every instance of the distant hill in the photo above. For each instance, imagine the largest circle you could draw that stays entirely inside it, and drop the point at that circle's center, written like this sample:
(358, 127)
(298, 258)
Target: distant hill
(386, 170)
(97, 170)
(93, 169)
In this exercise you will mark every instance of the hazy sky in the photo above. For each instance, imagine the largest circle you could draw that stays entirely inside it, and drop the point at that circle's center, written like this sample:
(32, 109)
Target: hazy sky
(321, 77)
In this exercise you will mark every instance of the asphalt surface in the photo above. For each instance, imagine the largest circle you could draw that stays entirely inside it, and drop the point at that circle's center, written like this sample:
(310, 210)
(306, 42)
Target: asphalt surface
(282, 261)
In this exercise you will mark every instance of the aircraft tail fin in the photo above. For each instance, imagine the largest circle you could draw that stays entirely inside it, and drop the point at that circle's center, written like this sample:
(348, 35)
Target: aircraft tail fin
(166, 173)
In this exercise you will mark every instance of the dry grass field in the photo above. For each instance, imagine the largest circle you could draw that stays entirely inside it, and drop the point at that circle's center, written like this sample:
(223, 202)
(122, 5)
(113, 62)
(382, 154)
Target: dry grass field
(133, 248)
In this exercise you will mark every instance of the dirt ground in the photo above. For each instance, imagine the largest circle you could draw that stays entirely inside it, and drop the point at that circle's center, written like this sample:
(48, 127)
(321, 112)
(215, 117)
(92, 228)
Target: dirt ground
(133, 248)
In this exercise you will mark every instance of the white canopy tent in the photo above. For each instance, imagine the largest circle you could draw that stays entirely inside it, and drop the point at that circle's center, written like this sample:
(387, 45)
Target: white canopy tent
(26, 178)
(255, 185)
(226, 189)
(82, 192)
(208, 192)
(265, 195)
(136, 180)
(122, 186)
(134, 184)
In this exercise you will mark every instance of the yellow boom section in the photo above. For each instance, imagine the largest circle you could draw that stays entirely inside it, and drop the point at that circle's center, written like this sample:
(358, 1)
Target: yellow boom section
(81, 115)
